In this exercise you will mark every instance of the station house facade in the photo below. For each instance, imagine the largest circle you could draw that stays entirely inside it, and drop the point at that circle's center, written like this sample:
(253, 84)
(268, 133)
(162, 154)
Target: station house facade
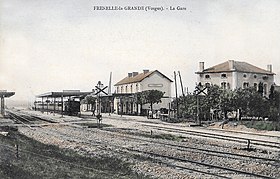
(235, 74)
(125, 101)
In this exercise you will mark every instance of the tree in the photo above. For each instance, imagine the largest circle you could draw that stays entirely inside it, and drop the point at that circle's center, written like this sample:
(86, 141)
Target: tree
(139, 99)
(274, 102)
(91, 99)
(187, 106)
(151, 97)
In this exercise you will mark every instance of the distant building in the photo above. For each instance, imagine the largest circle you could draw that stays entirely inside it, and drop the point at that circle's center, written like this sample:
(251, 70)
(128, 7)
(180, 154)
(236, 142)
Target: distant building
(234, 74)
(124, 102)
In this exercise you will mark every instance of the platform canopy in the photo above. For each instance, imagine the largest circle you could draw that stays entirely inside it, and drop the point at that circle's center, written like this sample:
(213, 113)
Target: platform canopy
(65, 93)
(6, 94)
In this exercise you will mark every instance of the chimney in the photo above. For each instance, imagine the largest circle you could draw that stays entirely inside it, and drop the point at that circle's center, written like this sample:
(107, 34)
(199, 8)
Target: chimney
(269, 68)
(134, 73)
(129, 75)
(231, 64)
(145, 71)
(201, 66)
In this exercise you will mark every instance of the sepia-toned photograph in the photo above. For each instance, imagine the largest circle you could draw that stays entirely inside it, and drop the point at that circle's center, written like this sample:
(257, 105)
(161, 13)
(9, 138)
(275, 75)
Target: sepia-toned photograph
(171, 89)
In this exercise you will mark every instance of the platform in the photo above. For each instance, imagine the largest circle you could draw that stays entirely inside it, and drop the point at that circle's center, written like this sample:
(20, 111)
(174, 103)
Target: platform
(4, 94)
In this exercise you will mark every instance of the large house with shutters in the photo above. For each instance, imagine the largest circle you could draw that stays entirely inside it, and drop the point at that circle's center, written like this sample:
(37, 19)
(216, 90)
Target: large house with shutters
(133, 83)
(235, 74)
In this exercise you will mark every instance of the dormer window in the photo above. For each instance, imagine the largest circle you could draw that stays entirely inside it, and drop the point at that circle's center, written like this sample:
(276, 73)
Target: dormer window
(207, 76)
(223, 75)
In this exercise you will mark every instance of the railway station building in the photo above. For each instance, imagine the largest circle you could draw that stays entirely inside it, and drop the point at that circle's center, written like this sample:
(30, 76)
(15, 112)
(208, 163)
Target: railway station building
(126, 89)
(235, 74)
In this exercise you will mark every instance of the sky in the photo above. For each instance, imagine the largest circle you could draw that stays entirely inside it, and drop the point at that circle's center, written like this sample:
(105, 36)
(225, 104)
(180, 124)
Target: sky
(55, 45)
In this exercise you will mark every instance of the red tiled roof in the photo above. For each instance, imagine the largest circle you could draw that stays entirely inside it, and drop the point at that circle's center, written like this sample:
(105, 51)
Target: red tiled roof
(138, 78)
(237, 66)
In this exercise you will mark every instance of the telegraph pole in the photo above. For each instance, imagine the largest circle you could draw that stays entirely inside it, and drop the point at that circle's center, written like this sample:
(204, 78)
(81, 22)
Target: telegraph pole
(181, 84)
(177, 104)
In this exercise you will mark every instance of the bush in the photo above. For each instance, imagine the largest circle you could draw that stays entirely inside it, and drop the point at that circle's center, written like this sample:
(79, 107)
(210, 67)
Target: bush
(262, 125)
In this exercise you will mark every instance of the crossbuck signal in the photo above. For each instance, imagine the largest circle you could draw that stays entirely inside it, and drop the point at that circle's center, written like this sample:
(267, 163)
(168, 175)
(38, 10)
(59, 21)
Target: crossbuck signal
(100, 90)
(200, 90)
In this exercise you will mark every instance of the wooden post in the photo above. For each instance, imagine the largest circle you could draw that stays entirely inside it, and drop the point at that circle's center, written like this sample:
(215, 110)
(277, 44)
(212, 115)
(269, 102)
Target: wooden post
(42, 104)
(181, 84)
(198, 112)
(177, 104)
(62, 105)
(54, 105)
(248, 144)
(47, 105)
(2, 105)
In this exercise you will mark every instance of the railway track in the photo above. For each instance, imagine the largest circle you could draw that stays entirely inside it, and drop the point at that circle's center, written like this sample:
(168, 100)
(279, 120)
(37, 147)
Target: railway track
(199, 150)
(182, 160)
(171, 160)
(241, 132)
(227, 136)
(27, 119)
(258, 142)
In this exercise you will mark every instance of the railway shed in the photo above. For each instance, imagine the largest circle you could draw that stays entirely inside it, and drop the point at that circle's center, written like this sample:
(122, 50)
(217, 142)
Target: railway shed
(64, 102)
(4, 94)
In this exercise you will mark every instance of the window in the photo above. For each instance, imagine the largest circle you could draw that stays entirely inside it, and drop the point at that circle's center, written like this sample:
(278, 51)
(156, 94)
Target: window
(223, 75)
(265, 89)
(131, 88)
(244, 75)
(207, 85)
(117, 89)
(265, 77)
(207, 76)
(245, 85)
(122, 89)
(125, 89)
(255, 76)
(256, 86)
(137, 88)
(228, 86)
(224, 85)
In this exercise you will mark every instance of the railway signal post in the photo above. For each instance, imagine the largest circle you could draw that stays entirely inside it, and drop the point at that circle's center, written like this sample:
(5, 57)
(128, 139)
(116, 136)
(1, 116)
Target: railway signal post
(99, 90)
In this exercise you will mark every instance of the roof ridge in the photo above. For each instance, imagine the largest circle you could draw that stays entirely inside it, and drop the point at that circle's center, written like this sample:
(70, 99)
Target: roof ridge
(138, 78)
(240, 66)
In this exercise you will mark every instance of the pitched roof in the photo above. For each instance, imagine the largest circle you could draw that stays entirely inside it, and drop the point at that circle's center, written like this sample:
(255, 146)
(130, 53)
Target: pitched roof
(237, 66)
(139, 77)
